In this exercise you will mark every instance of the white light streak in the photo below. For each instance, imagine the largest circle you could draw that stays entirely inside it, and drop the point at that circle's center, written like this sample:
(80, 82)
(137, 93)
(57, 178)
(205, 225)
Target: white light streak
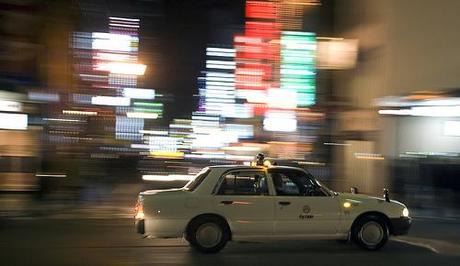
(336, 144)
(13, 121)
(452, 128)
(42, 96)
(280, 121)
(215, 49)
(51, 175)
(224, 84)
(110, 101)
(125, 19)
(429, 111)
(75, 112)
(62, 120)
(228, 79)
(122, 68)
(220, 54)
(282, 98)
(167, 177)
(113, 42)
(112, 57)
(219, 66)
(136, 93)
(218, 74)
(142, 115)
(10, 106)
(220, 62)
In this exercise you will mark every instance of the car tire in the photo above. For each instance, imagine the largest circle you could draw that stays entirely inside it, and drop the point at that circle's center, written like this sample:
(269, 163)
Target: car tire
(208, 234)
(370, 232)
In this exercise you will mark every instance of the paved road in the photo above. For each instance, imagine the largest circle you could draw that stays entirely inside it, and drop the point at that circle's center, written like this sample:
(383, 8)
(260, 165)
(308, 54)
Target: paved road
(63, 241)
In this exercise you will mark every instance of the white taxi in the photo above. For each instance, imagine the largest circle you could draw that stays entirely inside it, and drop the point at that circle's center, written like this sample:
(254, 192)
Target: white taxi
(224, 203)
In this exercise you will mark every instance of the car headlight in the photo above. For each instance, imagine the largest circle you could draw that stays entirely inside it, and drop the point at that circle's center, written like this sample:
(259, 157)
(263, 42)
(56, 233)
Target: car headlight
(405, 212)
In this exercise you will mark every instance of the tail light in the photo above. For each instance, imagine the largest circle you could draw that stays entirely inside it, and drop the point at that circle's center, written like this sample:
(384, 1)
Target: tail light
(139, 211)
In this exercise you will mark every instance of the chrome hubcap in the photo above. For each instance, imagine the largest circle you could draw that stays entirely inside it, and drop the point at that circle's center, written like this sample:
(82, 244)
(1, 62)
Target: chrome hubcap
(371, 233)
(208, 235)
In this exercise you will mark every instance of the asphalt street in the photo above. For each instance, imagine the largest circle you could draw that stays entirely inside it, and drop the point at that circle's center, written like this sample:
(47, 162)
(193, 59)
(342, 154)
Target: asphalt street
(112, 241)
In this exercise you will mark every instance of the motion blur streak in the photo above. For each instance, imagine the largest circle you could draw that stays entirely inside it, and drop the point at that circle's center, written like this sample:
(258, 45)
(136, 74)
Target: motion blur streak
(167, 177)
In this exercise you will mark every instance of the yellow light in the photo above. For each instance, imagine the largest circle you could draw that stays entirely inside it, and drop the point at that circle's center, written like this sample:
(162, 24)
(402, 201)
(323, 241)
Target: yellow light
(167, 154)
(347, 204)
(139, 211)
(267, 164)
(139, 215)
(75, 112)
(142, 115)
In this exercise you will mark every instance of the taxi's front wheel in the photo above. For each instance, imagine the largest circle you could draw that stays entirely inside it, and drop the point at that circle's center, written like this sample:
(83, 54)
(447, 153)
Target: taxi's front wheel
(208, 234)
(370, 232)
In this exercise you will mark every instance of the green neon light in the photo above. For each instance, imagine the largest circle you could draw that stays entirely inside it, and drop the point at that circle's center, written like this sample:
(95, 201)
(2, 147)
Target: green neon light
(148, 104)
(298, 65)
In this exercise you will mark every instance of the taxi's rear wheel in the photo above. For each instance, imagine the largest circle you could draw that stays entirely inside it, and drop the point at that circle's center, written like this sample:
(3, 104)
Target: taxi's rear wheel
(208, 234)
(370, 232)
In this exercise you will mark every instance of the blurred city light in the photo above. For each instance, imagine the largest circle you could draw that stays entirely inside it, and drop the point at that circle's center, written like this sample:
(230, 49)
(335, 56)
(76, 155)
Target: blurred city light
(122, 68)
(13, 121)
(452, 128)
(336, 53)
(111, 101)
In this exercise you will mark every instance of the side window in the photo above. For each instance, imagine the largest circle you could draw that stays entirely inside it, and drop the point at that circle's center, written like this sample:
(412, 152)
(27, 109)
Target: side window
(294, 183)
(244, 183)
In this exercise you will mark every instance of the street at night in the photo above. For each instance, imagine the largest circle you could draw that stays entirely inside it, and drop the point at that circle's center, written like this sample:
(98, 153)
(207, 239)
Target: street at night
(112, 241)
(229, 132)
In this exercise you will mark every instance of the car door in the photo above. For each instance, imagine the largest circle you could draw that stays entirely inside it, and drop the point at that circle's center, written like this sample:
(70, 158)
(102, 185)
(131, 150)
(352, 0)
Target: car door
(302, 207)
(243, 199)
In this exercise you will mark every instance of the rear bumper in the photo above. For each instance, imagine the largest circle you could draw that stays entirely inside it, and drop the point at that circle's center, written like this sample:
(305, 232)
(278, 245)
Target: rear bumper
(140, 226)
(400, 226)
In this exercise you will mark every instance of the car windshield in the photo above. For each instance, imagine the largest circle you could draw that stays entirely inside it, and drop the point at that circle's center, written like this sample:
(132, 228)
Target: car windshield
(320, 184)
(330, 191)
(196, 181)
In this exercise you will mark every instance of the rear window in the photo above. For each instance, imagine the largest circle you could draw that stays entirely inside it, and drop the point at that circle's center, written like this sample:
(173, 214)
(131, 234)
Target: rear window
(195, 182)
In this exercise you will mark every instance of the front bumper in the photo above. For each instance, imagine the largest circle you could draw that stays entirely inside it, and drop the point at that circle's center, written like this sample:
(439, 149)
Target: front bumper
(400, 226)
(140, 226)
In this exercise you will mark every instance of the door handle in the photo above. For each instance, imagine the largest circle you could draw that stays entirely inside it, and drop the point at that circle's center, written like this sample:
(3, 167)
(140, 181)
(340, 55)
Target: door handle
(284, 203)
(227, 202)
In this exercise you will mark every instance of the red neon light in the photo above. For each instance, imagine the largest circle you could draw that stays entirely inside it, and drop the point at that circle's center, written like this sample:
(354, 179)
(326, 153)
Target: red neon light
(260, 43)
(266, 69)
(268, 30)
(259, 108)
(256, 9)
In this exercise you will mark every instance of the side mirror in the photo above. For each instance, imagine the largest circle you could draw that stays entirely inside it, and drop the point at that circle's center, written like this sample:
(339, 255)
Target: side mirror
(386, 195)
(354, 190)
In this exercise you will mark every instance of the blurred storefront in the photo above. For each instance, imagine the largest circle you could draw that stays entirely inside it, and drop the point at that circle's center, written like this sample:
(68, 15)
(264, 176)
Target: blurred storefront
(403, 78)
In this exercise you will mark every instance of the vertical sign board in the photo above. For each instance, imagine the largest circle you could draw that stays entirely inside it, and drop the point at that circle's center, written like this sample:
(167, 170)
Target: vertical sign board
(298, 65)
